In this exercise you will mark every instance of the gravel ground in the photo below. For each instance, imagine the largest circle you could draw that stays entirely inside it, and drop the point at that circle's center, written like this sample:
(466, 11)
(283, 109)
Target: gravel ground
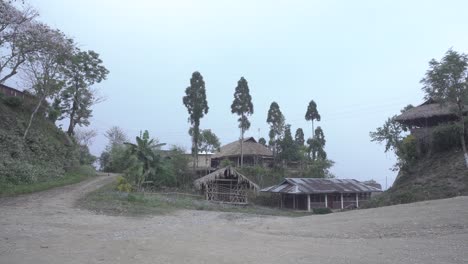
(46, 227)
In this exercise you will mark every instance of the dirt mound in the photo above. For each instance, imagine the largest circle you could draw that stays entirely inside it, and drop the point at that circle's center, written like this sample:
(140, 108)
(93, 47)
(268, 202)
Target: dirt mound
(438, 176)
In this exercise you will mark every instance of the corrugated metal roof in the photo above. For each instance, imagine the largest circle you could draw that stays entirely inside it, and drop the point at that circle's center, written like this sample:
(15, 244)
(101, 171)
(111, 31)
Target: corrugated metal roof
(314, 185)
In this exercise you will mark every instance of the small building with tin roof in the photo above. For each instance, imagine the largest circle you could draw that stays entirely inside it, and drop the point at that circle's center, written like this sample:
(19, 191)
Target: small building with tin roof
(308, 193)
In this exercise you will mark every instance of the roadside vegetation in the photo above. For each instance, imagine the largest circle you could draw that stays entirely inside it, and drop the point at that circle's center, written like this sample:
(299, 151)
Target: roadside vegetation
(108, 200)
(74, 176)
(57, 80)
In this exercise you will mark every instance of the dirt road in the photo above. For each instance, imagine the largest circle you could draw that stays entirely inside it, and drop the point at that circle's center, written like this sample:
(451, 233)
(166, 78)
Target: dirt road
(46, 228)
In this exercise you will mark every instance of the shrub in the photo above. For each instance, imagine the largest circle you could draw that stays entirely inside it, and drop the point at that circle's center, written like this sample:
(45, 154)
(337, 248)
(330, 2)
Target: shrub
(321, 210)
(446, 137)
(123, 185)
(13, 101)
(408, 151)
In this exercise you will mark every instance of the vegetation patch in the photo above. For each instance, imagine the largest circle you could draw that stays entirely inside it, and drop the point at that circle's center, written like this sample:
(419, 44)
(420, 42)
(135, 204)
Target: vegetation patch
(108, 200)
(74, 176)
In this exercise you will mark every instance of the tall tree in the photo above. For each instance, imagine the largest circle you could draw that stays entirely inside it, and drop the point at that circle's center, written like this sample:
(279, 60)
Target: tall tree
(299, 137)
(289, 148)
(317, 145)
(197, 107)
(243, 107)
(446, 81)
(20, 37)
(276, 121)
(83, 69)
(312, 114)
(44, 68)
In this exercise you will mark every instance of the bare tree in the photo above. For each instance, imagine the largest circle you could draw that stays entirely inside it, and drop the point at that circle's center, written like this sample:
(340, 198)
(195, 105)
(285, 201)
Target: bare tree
(85, 137)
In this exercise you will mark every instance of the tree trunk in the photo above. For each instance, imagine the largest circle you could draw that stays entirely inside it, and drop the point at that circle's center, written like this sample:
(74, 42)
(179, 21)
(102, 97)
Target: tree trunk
(313, 131)
(241, 148)
(32, 116)
(462, 139)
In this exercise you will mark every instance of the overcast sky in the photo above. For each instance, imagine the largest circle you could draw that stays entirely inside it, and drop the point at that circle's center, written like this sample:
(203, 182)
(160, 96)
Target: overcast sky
(361, 61)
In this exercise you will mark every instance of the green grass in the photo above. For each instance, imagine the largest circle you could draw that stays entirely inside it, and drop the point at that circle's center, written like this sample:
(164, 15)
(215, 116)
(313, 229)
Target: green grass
(107, 200)
(77, 175)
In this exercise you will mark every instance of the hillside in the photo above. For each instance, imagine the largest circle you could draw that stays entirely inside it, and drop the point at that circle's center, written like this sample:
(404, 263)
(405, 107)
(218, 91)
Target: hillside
(441, 175)
(45, 155)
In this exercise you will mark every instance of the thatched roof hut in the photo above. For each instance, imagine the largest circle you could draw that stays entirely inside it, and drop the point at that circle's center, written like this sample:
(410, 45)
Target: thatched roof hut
(254, 152)
(430, 113)
(226, 185)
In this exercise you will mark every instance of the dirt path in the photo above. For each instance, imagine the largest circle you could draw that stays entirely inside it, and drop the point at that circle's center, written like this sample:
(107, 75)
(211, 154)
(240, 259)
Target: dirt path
(46, 228)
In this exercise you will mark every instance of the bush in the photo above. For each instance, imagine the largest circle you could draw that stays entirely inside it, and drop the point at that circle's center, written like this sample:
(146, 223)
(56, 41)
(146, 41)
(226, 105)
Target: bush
(446, 137)
(321, 210)
(408, 151)
(123, 185)
(13, 101)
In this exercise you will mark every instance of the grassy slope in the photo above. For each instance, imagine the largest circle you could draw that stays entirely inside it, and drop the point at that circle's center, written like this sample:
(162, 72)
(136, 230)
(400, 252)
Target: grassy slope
(441, 175)
(109, 201)
(46, 159)
(76, 175)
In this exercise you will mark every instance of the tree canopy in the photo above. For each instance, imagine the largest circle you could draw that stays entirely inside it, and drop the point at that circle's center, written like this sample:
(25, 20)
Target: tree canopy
(243, 107)
(197, 106)
(312, 114)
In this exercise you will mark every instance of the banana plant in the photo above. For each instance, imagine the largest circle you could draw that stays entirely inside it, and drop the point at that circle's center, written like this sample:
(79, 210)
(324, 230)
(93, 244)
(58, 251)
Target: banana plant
(145, 150)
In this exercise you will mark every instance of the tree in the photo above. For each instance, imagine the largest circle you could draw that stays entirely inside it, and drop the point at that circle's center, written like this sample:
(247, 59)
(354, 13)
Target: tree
(317, 145)
(446, 81)
(43, 68)
(243, 107)
(276, 121)
(262, 141)
(20, 36)
(208, 143)
(145, 152)
(391, 133)
(312, 114)
(84, 139)
(82, 70)
(197, 106)
(289, 148)
(299, 137)
(116, 136)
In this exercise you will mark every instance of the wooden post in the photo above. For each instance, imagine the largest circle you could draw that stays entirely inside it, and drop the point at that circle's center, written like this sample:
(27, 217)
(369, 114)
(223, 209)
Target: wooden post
(281, 205)
(326, 200)
(357, 200)
(294, 201)
(308, 202)
(342, 201)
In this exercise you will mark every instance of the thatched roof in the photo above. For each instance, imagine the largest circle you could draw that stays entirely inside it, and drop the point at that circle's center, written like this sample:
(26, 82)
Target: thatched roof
(428, 110)
(224, 173)
(250, 147)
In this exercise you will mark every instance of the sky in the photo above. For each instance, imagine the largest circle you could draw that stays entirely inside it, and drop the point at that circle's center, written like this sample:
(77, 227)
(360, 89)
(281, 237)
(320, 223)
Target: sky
(360, 61)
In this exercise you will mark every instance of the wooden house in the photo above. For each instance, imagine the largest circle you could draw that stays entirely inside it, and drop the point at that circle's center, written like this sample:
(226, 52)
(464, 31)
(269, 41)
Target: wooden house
(254, 154)
(308, 193)
(226, 185)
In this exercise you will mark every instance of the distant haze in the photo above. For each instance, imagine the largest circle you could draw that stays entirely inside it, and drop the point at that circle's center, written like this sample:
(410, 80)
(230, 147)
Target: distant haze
(361, 61)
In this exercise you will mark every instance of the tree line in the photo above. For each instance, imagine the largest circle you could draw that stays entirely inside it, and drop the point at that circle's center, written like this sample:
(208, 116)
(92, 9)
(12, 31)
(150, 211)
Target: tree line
(285, 148)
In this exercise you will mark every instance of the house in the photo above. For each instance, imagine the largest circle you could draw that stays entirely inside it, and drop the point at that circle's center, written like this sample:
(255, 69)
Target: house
(226, 185)
(307, 193)
(12, 92)
(423, 118)
(254, 153)
(429, 114)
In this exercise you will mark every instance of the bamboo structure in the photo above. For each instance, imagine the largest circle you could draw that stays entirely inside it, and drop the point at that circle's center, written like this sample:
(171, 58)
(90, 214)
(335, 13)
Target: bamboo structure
(226, 185)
